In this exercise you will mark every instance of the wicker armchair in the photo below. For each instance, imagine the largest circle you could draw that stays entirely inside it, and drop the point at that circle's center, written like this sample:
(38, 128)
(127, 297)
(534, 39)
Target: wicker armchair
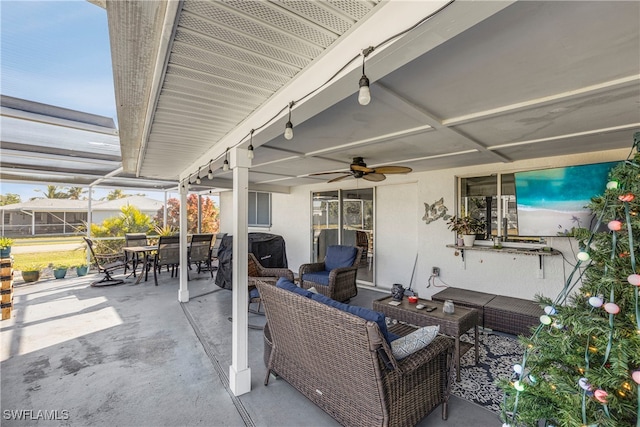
(257, 272)
(343, 364)
(336, 283)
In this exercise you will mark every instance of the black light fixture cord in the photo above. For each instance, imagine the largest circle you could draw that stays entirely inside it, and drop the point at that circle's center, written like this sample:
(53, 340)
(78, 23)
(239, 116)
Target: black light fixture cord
(364, 54)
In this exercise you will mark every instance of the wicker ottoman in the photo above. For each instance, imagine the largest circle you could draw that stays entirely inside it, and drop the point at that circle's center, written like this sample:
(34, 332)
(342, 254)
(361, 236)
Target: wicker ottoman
(512, 315)
(466, 298)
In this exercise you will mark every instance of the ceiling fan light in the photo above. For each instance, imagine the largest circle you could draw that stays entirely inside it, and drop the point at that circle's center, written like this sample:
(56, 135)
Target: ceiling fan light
(364, 94)
(288, 130)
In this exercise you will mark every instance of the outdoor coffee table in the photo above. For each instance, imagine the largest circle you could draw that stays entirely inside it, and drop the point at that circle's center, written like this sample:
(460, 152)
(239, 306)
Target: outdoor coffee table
(453, 325)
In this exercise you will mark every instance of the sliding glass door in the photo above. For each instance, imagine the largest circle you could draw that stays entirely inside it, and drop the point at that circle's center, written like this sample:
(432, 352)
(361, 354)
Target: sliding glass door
(345, 217)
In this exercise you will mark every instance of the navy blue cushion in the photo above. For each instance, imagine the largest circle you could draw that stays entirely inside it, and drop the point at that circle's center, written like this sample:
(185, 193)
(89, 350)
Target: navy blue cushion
(253, 293)
(365, 313)
(320, 277)
(340, 256)
(284, 283)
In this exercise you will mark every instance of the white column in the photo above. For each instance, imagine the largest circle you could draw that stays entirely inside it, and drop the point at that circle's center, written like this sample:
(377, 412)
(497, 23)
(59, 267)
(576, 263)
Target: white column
(183, 292)
(164, 214)
(89, 222)
(239, 371)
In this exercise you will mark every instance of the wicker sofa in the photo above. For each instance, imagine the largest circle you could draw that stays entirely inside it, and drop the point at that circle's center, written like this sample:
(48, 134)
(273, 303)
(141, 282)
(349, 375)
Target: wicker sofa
(343, 364)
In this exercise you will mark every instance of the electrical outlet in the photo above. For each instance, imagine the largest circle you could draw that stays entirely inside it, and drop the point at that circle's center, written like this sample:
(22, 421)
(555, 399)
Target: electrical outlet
(435, 271)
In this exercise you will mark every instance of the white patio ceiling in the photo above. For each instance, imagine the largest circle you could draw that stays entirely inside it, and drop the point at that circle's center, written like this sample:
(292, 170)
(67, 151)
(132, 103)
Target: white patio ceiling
(480, 82)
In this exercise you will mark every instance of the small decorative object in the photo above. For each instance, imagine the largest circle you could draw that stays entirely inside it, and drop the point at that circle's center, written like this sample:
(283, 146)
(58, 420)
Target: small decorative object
(614, 225)
(636, 376)
(612, 185)
(517, 368)
(584, 384)
(634, 279)
(550, 310)
(595, 302)
(611, 308)
(435, 211)
(583, 256)
(545, 320)
(601, 395)
(448, 307)
(412, 299)
(626, 197)
(397, 292)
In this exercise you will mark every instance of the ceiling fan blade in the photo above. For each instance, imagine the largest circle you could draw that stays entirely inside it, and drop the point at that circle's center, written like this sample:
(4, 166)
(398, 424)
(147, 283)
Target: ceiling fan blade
(340, 178)
(327, 173)
(393, 169)
(361, 169)
(374, 177)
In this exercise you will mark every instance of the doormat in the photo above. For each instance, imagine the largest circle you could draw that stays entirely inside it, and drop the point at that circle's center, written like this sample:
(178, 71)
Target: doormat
(498, 353)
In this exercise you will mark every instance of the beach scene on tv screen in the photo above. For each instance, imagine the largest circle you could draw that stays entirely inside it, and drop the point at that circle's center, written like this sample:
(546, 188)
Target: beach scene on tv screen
(551, 202)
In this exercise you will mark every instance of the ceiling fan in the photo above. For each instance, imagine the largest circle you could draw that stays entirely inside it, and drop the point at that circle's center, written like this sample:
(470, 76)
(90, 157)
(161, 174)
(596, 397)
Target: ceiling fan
(359, 169)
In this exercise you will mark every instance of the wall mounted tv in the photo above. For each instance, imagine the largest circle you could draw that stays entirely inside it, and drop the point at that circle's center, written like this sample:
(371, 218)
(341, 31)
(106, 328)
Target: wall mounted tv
(551, 202)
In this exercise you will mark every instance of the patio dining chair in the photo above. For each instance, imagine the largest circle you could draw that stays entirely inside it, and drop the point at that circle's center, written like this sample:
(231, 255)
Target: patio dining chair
(106, 264)
(200, 252)
(132, 260)
(167, 254)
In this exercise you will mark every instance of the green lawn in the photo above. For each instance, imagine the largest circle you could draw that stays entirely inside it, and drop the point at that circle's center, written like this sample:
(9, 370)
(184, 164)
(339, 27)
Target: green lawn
(27, 261)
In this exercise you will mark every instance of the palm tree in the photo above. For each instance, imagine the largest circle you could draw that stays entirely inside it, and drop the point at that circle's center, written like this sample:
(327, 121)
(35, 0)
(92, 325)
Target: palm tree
(52, 192)
(75, 193)
(115, 194)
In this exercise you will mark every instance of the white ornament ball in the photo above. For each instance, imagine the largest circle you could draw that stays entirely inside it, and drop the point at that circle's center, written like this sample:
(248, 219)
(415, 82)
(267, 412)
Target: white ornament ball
(583, 256)
(596, 302)
(550, 310)
(545, 320)
(612, 185)
(517, 369)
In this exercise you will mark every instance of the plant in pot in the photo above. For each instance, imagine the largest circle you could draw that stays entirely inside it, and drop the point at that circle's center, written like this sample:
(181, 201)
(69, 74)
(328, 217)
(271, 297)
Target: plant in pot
(5, 247)
(467, 227)
(82, 269)
(60, 271)
(31, 272)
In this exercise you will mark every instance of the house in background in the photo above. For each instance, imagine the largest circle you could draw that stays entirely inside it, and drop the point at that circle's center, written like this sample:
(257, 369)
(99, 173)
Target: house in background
(65, 216)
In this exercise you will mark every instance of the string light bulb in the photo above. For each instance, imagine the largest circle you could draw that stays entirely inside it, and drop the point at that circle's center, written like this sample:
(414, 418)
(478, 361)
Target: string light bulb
(198, 180)
(225, 164)
(250, 148)
(364, 93)
(288, 128)
(210, 173)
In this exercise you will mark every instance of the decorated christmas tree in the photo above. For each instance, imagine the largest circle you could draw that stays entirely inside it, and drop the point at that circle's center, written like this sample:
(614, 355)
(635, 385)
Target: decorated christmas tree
(581, 366)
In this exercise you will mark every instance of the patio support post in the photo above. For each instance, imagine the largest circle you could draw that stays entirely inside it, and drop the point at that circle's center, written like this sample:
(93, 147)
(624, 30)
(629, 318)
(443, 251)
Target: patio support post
(183, 292)
(89, 222)
(239, 371)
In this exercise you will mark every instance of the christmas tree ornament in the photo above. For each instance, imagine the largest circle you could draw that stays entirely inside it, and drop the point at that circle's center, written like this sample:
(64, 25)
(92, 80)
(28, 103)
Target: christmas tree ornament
(626, 197)
(545, 320)
(517, 368)
(614, 225)
(584, 384)
(611, 185)
(596, 302)
(601, 395)
(583, 256)
(611, 308)
(634, 279)
(636, 376)
(550, 310)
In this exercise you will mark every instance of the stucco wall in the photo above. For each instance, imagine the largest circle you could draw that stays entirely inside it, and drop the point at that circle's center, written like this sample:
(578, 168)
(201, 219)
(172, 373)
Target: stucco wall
(397, 239)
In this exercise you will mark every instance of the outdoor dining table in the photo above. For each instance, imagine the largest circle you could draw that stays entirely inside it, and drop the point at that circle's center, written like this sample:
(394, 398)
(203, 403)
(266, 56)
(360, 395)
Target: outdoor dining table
(144, 251)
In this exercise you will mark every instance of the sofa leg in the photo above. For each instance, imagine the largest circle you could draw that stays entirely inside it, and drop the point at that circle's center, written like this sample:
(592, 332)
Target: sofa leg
(266, 379)
(445, 410)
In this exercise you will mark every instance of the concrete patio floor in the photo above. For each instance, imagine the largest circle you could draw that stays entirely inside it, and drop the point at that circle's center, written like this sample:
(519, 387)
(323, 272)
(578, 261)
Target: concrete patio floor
(132, 355)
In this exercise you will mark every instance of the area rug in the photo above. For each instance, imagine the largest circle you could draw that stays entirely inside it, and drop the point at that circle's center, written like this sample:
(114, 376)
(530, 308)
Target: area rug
(498, 353)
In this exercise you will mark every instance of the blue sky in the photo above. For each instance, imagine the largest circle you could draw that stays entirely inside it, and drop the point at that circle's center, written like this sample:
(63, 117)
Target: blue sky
(57, 53)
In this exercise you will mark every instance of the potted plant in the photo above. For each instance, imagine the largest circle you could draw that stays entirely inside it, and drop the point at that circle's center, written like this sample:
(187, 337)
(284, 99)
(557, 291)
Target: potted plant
(82, 270)
(467, 227)
(5, 247)
(60, 271)
(31, 272)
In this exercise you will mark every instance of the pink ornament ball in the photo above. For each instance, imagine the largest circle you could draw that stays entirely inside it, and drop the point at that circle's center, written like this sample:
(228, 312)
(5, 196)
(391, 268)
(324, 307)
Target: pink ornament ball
(636, 376)
(611, 308)
(634, 279)
(601, 395)
(626, 197)
(596, 302)
(614, 225)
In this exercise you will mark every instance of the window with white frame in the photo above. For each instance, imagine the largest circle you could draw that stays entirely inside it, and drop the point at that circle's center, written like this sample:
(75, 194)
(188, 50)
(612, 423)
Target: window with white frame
(259, 209)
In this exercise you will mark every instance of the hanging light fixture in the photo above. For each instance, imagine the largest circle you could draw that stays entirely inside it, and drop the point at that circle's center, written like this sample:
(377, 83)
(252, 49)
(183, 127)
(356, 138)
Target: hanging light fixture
(225, 164)
(288, 128)
(250, 148)
(198, 180)
(364, 94)
(210, 173)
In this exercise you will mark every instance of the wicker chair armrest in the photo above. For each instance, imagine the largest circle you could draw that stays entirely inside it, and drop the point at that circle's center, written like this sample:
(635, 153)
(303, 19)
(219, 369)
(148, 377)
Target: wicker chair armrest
(311, 268)
(276, 272)
(441, 344)
(341, 272)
